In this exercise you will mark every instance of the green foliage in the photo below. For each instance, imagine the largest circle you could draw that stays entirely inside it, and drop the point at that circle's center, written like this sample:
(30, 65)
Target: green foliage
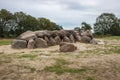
(85, 26)
(54, 26)
(77, 29)
(44, 24)
(60, 68)
(12, 25)
(5, 20)
(107, 23)
(115, 29)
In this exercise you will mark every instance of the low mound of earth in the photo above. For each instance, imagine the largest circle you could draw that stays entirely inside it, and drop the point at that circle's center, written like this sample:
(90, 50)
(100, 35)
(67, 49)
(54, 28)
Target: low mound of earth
(88, 62)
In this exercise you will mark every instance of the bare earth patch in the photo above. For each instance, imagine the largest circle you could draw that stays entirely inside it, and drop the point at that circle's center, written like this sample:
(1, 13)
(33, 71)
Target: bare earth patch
(88, 62)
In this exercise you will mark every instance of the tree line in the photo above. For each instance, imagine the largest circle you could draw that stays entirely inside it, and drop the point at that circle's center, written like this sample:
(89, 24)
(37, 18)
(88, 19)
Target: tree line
(106, 24)
(13, 24)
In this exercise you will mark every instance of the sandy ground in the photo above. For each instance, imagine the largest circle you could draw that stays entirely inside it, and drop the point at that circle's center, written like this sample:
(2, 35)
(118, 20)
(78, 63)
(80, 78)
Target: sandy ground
(100, 61)
(7, 48)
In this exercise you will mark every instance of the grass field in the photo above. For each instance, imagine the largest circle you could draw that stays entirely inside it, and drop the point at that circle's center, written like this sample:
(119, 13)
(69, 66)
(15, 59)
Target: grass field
(88, 62)
(112, 38)
(5, 41)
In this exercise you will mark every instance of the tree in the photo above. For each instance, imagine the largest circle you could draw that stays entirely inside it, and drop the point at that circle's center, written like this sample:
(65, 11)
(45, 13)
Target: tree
(19, 17)
(115, 28)
(24, 22)
(5, 20)
(77, 29)
(29, 23)
(46, 24)
(107, 23)
(12, 25)
(85, 26)
(55, 26)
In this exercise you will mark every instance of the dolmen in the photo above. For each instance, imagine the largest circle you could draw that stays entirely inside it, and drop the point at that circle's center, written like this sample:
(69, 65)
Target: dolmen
(46, 38)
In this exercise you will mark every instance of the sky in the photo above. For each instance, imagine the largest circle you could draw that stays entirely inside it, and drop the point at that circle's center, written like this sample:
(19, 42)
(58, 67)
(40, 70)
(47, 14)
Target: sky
(67, 13)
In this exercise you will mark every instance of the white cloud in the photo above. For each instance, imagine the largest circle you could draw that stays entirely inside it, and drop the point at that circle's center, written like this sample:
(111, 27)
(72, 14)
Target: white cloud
(89, 3)
(68, 13)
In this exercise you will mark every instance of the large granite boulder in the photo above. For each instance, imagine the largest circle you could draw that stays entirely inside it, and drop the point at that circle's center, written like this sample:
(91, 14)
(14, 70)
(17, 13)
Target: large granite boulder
(86, 39)
(66, 39)
(60, 33)
(67, 47)
(42, 33)
(78, 38)
(52, 42)
(40, 43)
(72, 39)
(57, 39)
(73, 33)
(54, 33)
(64, 33)
(39, 34)
(46, 39)
(27, 35)
(88, 33)
(31, 44)
(19, 44)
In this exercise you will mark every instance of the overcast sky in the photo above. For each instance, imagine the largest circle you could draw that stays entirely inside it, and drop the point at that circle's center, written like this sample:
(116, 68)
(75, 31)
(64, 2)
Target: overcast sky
(67, 13)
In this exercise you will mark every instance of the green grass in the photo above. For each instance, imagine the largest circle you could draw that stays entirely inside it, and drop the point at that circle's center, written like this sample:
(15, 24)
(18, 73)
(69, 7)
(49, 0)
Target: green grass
(60, 67)
(55, 68)
(32, 69)
(115, 50)
(62, 62)
(5, 42)
(30, 56)
(108, 49)
(90, 78)
(60, 70)
(112, 38)
(7, 58)
(44, 54)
